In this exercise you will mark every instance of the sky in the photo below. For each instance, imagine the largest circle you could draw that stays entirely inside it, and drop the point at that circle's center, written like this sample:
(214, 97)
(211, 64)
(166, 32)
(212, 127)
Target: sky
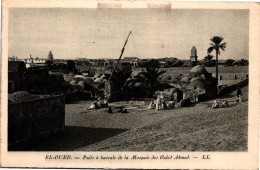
(101, 33)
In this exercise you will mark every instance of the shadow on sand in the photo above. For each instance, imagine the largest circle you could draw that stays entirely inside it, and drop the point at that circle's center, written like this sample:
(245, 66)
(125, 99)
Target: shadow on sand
(72, 138)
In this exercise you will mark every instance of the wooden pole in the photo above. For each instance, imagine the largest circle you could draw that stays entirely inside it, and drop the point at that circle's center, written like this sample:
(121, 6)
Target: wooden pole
(122, 51)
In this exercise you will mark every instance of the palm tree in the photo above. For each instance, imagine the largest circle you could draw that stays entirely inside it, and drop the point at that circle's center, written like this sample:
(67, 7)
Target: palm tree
(229, 62)
(150, 76)
(208, 60)
(243, 62)
(216, 45)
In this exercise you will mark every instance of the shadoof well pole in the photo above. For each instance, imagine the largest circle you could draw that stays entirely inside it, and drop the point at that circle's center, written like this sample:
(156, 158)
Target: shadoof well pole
(122, 51)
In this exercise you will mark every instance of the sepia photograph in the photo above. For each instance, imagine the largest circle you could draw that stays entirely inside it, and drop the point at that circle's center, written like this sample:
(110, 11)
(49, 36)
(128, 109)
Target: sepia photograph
(128, 79)
(130, 84)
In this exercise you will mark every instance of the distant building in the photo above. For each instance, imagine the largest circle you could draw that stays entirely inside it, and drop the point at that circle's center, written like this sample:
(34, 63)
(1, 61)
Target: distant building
(110, 62)
(71, 65)
(35, 76)
(50, 56)
(97, 62)
(133, 60)
(13, 58)
(16, 76)
(193, 56)
(163, 63)
(82, 66)
(34, 62)
(102, 62)
(58, 61)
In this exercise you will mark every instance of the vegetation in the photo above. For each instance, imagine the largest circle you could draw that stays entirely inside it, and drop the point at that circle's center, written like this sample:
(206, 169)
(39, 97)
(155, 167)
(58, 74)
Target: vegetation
(150, 75)
(217, 46)
(119, 80)
(175, 63)
(145, 83)
(193, 63)
(241, 62)
(208, 61)
(229, 62)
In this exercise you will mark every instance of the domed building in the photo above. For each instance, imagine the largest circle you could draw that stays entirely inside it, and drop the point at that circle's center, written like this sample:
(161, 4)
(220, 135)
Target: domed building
(197, 84)
(203, 81)
(201, 72)
(198, 69)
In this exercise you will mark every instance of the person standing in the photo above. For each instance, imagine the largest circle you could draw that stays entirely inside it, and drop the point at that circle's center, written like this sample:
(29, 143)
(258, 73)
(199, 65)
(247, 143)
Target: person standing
(239, 95)
(158, 102)
(162, 102)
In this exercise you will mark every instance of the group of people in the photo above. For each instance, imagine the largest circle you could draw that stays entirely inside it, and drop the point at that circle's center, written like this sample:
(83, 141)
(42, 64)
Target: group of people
(103, 103)
(160, 103)
(224, 102)
(100, 103)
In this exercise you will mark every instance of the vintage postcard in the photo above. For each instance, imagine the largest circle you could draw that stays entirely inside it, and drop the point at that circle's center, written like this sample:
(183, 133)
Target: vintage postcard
(130, 84)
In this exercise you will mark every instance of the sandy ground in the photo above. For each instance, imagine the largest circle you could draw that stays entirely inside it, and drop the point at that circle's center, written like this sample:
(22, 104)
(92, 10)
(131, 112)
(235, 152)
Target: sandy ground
(197, 128)
(194, 128)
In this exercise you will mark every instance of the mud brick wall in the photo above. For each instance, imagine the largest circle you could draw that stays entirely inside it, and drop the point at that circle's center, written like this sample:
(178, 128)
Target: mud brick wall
(29, 120)
(233, 87)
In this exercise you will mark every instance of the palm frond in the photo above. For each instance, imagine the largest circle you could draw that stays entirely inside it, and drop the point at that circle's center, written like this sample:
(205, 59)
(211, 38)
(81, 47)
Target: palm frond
(208, 57)
(216, 40)
(223, 46)
(210, 49)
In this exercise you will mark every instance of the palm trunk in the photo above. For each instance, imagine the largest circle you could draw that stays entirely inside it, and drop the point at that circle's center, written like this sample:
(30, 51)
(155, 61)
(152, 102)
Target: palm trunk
(217, 66)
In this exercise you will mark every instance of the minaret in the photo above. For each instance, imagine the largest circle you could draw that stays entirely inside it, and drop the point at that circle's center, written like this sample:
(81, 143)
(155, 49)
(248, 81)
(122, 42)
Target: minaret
(50, 56)
(193, 56)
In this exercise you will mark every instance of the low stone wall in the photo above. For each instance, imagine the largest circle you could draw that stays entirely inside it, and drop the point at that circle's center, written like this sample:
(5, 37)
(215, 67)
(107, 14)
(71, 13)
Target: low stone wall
(230, 88)
(29, 120)
(231, 76)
